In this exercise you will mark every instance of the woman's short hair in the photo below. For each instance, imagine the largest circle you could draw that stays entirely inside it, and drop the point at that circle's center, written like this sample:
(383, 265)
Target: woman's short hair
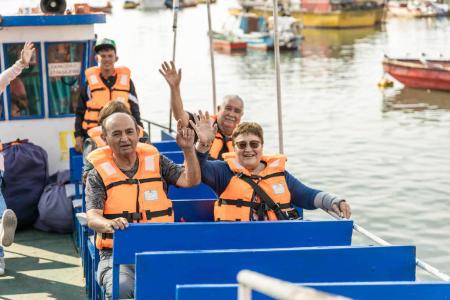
(111, 108)
(248, 128)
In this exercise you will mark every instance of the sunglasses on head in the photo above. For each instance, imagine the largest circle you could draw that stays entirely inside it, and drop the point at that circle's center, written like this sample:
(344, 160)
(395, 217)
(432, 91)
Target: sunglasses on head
(253, 144)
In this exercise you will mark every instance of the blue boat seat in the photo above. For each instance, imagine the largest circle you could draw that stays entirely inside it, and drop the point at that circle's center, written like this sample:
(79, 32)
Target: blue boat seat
(224, 235)
(409, 290)
(176, 156)
(158, 273)
(201, 191)
(169, 145)
(194, 210)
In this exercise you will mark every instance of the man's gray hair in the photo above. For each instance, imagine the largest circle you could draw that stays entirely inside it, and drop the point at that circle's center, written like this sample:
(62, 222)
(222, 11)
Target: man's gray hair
(232, 97)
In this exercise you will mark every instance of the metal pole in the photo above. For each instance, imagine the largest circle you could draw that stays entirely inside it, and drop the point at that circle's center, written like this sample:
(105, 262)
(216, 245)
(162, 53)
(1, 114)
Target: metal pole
(420, 263)
(211, 54)
(277, 68)
(175, 9)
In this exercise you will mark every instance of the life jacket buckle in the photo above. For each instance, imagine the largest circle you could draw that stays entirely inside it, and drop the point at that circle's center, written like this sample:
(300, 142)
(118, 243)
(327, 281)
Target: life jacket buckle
(136, 216)
(131, 181)
(127, 215)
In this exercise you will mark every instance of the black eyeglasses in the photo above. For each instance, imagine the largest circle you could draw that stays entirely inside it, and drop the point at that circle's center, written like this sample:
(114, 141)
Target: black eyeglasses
(253, 144)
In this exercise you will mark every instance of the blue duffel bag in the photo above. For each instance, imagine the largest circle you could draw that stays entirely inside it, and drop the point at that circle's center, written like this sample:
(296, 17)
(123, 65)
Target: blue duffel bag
(55, 208)
(26, 174)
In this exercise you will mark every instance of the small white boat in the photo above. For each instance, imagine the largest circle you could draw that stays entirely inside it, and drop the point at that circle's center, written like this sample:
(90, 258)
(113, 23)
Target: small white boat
(151, 4)
(257, 31)
(417, 9)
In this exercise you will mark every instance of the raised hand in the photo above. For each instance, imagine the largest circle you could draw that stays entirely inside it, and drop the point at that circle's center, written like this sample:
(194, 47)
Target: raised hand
(27, 53)
(203, 128)
(185, 136)
(169, 72)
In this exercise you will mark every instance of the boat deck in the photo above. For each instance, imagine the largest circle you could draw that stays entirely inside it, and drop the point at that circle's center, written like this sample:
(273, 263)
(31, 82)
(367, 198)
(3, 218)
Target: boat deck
(42, 265)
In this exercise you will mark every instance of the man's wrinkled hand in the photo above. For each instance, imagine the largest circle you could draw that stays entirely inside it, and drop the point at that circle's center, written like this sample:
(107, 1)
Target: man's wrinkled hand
(185, 136)
(116, 224)
(205, 131)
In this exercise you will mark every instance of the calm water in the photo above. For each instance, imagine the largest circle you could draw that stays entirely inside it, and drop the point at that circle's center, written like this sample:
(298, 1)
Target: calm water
(387, 152)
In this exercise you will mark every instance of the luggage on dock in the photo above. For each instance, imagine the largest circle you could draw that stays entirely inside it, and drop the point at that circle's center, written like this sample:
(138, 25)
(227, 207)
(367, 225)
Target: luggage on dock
(55, 208)
(26, 174)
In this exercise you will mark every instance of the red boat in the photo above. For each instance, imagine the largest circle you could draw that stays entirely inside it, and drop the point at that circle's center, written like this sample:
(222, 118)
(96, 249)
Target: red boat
(419, 73)
(229, 46)
(223, 43)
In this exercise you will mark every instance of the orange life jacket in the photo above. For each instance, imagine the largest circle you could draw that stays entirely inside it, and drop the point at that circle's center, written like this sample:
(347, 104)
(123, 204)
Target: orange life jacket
(95, 133)
(101, 94)
(140, 199)
(235, 202)
(219, 141)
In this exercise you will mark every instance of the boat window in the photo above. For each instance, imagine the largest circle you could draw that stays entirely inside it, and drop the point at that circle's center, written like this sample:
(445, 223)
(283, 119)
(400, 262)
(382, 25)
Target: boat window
(25, 92)
(64, 65)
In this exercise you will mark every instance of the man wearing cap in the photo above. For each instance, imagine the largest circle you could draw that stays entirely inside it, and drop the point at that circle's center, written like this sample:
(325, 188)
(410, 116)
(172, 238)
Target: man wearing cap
(103, 84)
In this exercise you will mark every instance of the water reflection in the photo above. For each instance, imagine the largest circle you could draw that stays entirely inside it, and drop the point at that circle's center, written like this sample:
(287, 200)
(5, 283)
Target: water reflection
(408, 100)
(332, 43)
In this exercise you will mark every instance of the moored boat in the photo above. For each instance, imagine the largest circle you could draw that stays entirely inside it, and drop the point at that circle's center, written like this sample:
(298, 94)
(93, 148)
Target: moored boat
(100, 6)
(226, 44)
(419, 73)
(151, 4)
(130, 4)
(313, 251)
(328, 14)
(257, 31)
(417, 9)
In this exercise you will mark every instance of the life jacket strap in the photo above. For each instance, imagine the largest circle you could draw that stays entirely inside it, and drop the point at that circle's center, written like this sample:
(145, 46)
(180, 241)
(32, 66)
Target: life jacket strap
(98, 89)
(254, 205)
(106, 236)
(235, 220)
(257, 177)
(120, 90)
(90, 121)
(160, 213)
(132, 181)
(93, 109)
(238, 203)
(134, 216)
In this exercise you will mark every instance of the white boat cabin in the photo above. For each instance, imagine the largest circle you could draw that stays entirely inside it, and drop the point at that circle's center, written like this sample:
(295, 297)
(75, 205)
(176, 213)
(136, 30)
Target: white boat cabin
(40, 104)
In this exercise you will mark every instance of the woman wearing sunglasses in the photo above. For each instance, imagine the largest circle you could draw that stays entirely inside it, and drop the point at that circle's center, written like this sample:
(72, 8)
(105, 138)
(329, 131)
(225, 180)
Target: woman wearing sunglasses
(252, 186)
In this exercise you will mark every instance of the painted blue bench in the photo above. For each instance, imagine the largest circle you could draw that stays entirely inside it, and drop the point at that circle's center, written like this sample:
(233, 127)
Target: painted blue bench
(201, 191)
(357, 290)
(169, 145)
(158, 273)
(193, 210)
(176, 156)
(222, 235)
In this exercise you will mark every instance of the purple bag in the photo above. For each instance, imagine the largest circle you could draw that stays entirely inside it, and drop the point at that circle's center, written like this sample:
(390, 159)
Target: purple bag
(26, 174)
(55, 208)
